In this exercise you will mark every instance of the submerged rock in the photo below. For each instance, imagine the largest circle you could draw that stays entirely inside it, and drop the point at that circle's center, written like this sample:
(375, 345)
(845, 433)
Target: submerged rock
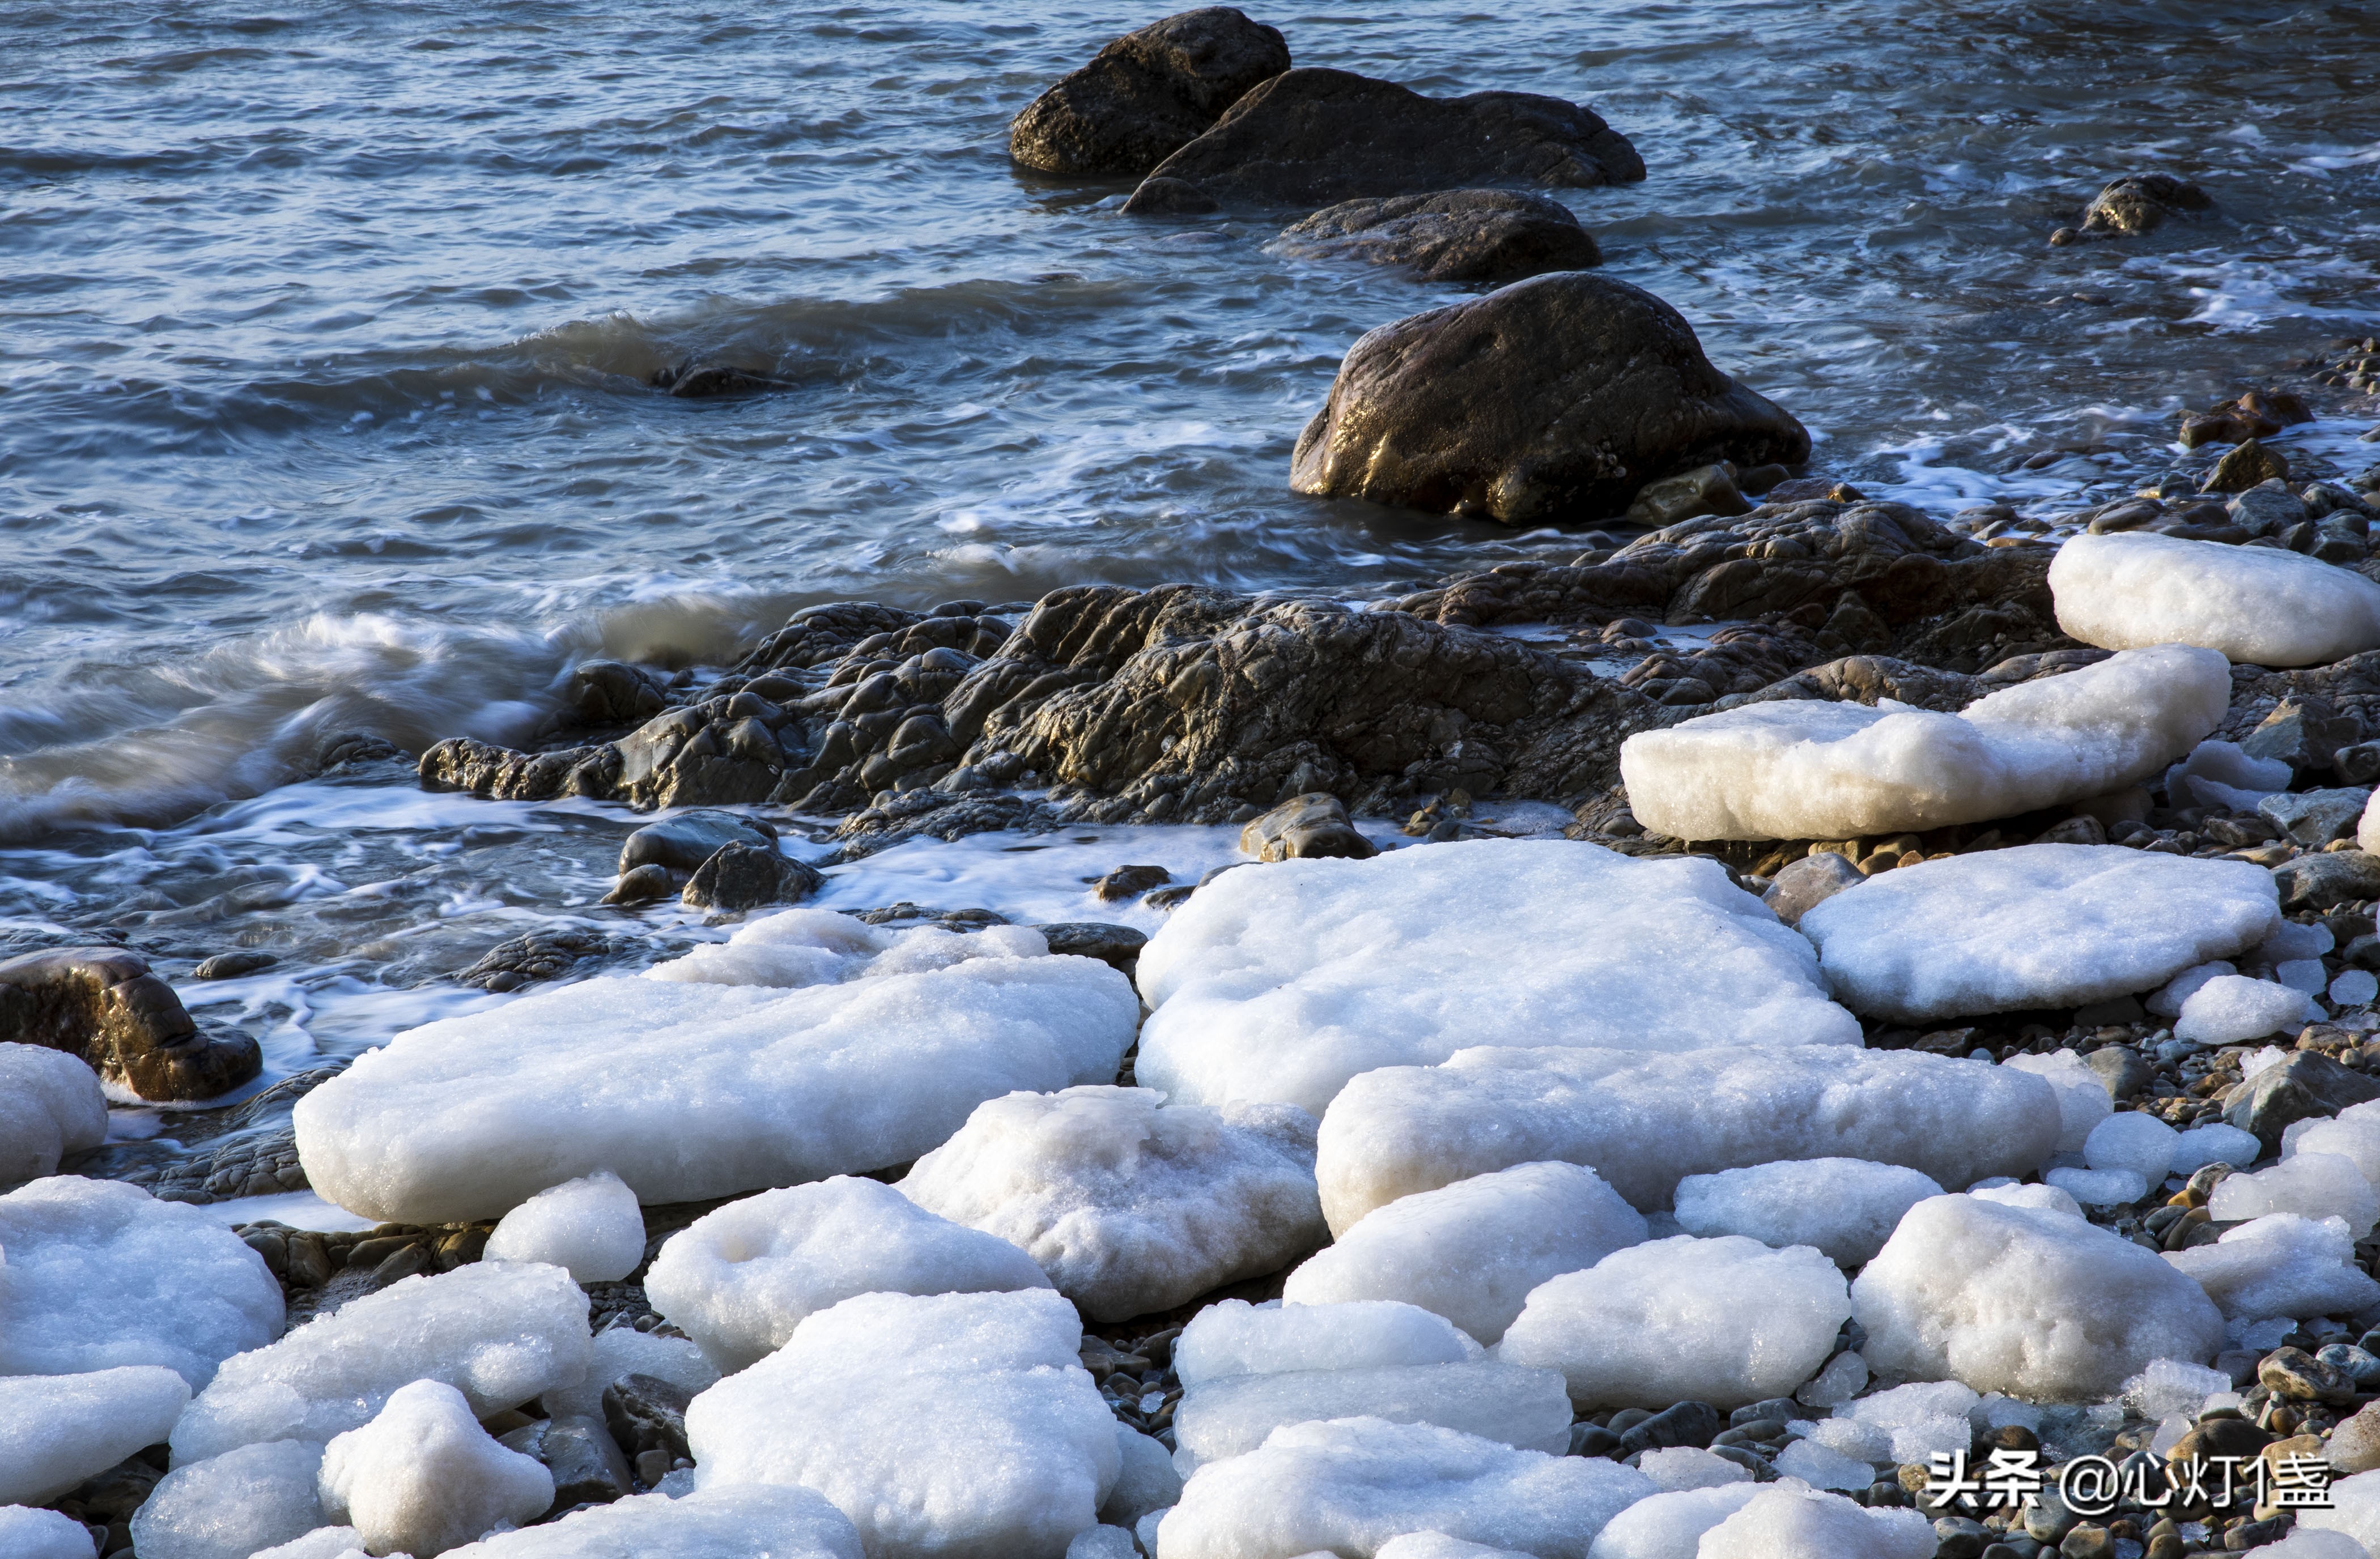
(749, 876)
(1146, 94)
(2137, 202)
(1494, 236)
(103, 1004)
(696, 380)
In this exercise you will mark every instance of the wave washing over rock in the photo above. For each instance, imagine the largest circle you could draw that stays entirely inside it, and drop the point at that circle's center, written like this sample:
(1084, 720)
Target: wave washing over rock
(1415, 786)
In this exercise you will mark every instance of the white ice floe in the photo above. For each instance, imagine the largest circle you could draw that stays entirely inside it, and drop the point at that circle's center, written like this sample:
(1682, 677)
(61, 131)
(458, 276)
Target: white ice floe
(2367, 827)
(2281, 1263)
(1845, 1207)
(100, 1274)
(1352, 1485)
(1518, 1405)
(1823, 1469)
(942, 1424)
(2214, 1142)
(1844, 1377)
(2166, 1000)
(50, 1106)
(469, 1116)
(591, 1228)
(1282, 983)
(2233, 1008)
(2222, 774)
(2043, 1198)
(27, 1533)
(2260, 605)
(2083, 1099)
(500, 1331)
(1810, 769)
(1917, 1421)
(2312, 1185)
(2036, 926)
(1471, 1250)
(1785, 1522)
(1725, 1321)
(2038, 1304)
(56, 1431)
(1645, 1122)
(2135, 1141)
(1129, 1204)
(1669, 1525)
(2098, 1188)
(2353, 1133)
(1145, 1482)
(741, 1521)
(740, 1279)
(621, 1351)
(1438, 1545)
(1234, 1338)
(423, 1477)
(1673, 1467)
(232, 1505)
(2355, 1509)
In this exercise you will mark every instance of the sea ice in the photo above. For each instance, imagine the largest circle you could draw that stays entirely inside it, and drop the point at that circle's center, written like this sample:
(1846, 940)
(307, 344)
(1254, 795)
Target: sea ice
(2166, 1002)
(2353, 1133)
(2038, 1304)
(2098, 1188)
(1645, 1122)
(1233, 1337)
(1785, 1522)
(591, 1228)
(618, 1352)
(2048, 1199)
(423, 1477)
(2281, 1263)
(2260, 605)
(2083, 1101)
(1230, 1417)
(56, 1431)
(1844, 1377)
(1438, 1545)
(1822, 1468)
(1684, 1467)
(737, 1521)
(230, 1507)
(1146, 1480)
(2216, 1142)
(739, 1280)
(51, 1106)
(100, 1274)
(1845, 1207)
(2233, 1008)
(1471, 1250)
(2355, 1509)
(27, 1533)
(1131, 1205)
(1919, 1420)
(1669, 1526)
(1282, 984)
(2135, 1141)
(1811, 769)
(2037, 926)
(2166, 1386)
(2222, 774)
(2313, 1185)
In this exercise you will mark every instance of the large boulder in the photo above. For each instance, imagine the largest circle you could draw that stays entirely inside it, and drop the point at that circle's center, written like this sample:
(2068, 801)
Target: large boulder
(1493, 236)
(103, 1005)
(1147, 94)
(1552, 400)
(1309, 137)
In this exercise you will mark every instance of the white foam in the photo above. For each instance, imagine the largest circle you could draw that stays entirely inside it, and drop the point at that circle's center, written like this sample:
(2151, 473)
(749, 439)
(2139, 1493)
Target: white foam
(1845, 1207)
(2263, 606)
(423, 1477)
(50, 1106)
(56, 1431)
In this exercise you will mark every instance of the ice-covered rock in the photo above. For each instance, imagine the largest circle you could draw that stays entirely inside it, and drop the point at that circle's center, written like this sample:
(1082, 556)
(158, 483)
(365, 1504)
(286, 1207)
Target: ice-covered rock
(1471, 1250)
(2135, 1141)
(591, 1228)
(1280, 984)
(1845, 1207)
(423, 1477)
(2083, 1101)
(2166, 1002)
(778, 1082)
(56, 1431)
(1645, 1122)
(1812, 769)
(1234, 1338)
(2233, 1008)
(1129, 1204)
(1671, 1525)
(500, 1331)
(51, 1106)
(1725, 1321)
(2312, 1185)
(739, 1280)
(1352, 1485)
(621, 1351)
(1229, 1417)
(1685, 1466)
(2038, 1304)
(1784, 1522)
(955, 1424)
(2281, 1263)
(2262, 606)
(100, 1274)
(2214, 1142)
(2223, 774)
(27, 1533)
(2037, 926)
(229, 1507)
(738, 1521)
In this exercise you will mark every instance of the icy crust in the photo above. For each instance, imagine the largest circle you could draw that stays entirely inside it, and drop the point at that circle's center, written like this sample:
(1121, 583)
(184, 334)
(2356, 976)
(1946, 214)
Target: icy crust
(1233, 1337)
(1514, 1403)
(51, 1106)
(2037, 926)
(100, 1274)
(1844, 1208)
(621, 1351)
(739, 1280)
(232, 1506)
(56, 1431)
(956, 1424)
(2038, 1304)
(689, 1088)
(741, 1521)
(1129, 1204)
(2260, 605)
(499, 1332)
(1350, 1485)
(1809, 770)
(1279, 984)
(1643, 1123)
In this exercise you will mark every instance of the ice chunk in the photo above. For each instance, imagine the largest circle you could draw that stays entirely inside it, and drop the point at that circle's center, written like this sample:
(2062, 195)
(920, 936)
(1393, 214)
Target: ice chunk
(322, 1542)
(2214, 1144)
(1231, 1417)
(1922, 1419)
(2166, 1386)
(1438, 1545)
(422, 1476)
(2083, 1101)
(2038, 925)
(2018, 1299)
(2169, 997)
(2312, 1542)
(101, 1273)
(2281, 1263)
(2350, 1136)
(1684, 1467)
(231, 1506)
(1807, 769)
(1823, 1469)
(1102, 1542)
(2222, 774)
(1352, 1485)
(1233, 1337)
(56, 1431)
(1785, 1522)
(2230, 1008)
(2291, 941)
(1669, 1526)
(2355, 1509)
(1844, 1377)
(591, 1228)
(468, 1116)
(2354, 988)
(50, 1106)
(27, 1534)
(739, 1521)
(501, 1332)
(1846, 1207)
(1725, 1321)
(877, 1403)
(1471, 1251)
(2302, 974)
(2367, 827)
(2099, 1188)
(1131, 1205)
(2135, 1141)
(1146, 1481)
(2045, 1198)
(1645, 1122)
(2313, 1185)
(621, 1351)
(1282, 984)
(2262, 606)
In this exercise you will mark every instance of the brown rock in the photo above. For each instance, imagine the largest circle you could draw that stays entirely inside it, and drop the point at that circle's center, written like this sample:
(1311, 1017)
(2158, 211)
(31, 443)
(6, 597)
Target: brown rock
(1146, 94)
(2219, 1437)
(2138, 202)
(1305, 827)
(103, 1004)
(2300, 1377)
(2244, 467)
(2325, 880)
(1491, 236)
(2305, 1085)
(1817, 876)
(2354, 1445)
(1129, 882)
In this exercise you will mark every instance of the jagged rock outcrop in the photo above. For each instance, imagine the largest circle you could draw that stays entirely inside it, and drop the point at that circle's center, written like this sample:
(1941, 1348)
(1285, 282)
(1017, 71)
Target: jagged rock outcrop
(103, 1004)
(1490, 236)
(1146, 94)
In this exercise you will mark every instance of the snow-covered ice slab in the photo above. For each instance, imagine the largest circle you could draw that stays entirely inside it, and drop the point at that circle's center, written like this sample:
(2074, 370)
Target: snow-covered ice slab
(741, 1521)
(2310, 1184)
(955, 1424)
(1810, 769)
(1131, 1205)
(1280, 983)
(1234, 1338)
(1350, 1486)
(2281, 1263)
(99, 1274)
(2037, 926)
(56, 1431)
(1514, 1403)
(1845, 1207)
(1645, 1122)
(1671, 1525)
(1786, 1522)
(51, 1105)
(790, 1052)
(29, 1533)
(232, 1506)
(2262, 606)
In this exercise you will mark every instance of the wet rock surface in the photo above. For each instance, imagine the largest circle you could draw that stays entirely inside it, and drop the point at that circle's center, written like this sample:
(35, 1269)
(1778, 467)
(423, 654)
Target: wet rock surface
(103, 1004)
(2141, 202)
(1146, 94)
(1483, 235)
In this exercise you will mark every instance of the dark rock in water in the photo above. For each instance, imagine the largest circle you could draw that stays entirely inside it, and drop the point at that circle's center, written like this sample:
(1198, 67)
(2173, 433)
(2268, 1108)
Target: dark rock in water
(932, 814)
(1116, 946)
(2305, 1085)
(2305, 732)
(101, 1004)
(611, 693)
(2256, 415)
(698, 381)
(2138, 202)
(586, 1464)
(1493, 236)
(351, 747)
(689, 840)
(646, 1413)
(1146, 94)
(1552, 400)
(1305, 828)
(1705, 490)
(647, 884)
(1312, 138)
(1129, 882)
(231, 966)
(547, 953)
(748, 876)
(2248, 465)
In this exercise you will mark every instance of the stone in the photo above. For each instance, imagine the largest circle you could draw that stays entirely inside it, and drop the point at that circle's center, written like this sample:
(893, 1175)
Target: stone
(51, 1107)
(2121, 1069)
(1705, 490)
(1129, 882)
(1483, 235)
(1552, 400)
(2306, 733)
(1118, 947)
(2294, 1374)
(422, 1477)
(549, 952)
(2257, 605)
(232, 966)
(648, 884)
(2314, 818)
(2250, 465)
(749, 876)
(1311, 827)
(579, 1455)
(686, 841)
(2256, 415)
(1798, 887)
(646, 1415)
(2300, 1087)
(101, 1004)
(1146, 94)
(2269, 509)
(2354, 1445)
(2139, 202)
(2324, 881)
(600, 693)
